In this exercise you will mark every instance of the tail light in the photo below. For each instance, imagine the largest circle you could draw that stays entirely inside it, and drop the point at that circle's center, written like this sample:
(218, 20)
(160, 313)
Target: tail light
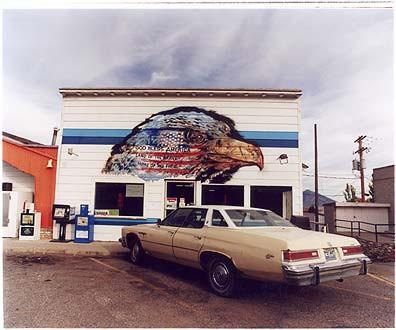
(299, 255)
(348, 250)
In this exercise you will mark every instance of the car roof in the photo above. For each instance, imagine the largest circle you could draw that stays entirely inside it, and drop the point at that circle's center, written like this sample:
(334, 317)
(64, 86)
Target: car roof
(222, 207)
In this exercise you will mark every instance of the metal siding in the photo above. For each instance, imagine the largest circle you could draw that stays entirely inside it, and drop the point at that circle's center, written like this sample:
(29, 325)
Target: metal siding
(83, 170)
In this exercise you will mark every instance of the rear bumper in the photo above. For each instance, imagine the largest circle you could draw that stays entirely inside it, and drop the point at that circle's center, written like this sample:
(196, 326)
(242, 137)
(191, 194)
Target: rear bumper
(314, 274)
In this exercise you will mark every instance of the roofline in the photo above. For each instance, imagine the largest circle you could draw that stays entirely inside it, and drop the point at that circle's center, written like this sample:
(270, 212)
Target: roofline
(18, 143)
(222, 207)
(380, 168)
(182, 92)
(20, 139)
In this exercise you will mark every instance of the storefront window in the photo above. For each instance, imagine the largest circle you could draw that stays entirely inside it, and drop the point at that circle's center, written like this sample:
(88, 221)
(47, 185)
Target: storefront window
(222, 195)
(119, 199)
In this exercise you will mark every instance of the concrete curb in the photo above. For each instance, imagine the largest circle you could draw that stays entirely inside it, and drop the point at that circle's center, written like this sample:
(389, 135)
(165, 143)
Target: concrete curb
(95, 249)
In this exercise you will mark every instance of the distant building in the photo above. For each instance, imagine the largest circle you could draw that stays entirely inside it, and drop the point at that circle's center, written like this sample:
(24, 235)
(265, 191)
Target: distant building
(309, 205)
(384, 188)
(309, 199)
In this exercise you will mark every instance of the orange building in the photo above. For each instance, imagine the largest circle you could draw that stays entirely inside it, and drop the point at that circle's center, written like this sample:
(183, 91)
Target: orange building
(33, 162)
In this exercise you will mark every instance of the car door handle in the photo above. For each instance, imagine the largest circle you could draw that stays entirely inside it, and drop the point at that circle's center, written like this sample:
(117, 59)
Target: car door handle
(171, 232)
(197, 237)
(141, 233)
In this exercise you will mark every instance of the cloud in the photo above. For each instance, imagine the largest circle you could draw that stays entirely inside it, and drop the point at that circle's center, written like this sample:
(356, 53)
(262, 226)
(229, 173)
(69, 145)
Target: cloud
(28, 112)
(342, 59)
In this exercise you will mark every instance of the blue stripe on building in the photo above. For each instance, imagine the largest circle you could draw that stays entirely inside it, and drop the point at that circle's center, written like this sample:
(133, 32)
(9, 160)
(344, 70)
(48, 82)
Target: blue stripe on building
(264, 135)
(123, 222)
(269, 139)
(91, 140)
(93, 132)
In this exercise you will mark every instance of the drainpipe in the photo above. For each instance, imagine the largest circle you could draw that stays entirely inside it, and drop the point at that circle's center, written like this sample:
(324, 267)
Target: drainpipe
(54, 135)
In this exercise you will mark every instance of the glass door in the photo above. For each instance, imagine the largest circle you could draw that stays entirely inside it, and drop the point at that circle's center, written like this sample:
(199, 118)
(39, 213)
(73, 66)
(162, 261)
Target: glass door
(179, 194)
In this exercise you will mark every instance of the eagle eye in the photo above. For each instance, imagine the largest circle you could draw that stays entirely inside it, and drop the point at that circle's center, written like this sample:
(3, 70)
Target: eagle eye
(195, 137)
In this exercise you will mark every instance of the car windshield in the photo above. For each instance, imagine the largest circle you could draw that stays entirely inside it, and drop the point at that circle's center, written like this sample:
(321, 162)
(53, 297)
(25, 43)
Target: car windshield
(257, 218)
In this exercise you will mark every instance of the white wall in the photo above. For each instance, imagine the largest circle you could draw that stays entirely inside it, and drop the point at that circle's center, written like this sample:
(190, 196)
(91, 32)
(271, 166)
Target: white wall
(21, 181)
(374, 213)
(77, 175)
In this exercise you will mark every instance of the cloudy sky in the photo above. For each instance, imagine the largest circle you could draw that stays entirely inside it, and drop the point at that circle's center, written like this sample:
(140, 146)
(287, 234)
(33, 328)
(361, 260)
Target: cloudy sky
(341, 59)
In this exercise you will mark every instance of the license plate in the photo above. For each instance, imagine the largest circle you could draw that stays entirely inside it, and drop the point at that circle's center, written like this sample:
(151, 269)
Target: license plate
(330, 254)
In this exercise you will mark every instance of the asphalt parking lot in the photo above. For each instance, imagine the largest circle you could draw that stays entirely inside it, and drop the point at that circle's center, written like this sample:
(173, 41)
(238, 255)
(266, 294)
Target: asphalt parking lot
(70, 291)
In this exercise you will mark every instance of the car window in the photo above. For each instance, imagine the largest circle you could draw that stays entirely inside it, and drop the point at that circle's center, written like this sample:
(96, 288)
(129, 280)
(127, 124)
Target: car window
(257, 218)
(196, 219)
(176, 218)
(218, 219)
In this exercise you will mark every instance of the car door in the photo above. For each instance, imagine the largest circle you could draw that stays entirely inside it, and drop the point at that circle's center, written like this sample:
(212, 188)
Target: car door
(189, 238)
(157, 240)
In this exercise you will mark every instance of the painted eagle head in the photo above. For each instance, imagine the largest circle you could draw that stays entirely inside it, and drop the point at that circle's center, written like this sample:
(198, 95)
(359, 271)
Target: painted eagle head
(184, 141)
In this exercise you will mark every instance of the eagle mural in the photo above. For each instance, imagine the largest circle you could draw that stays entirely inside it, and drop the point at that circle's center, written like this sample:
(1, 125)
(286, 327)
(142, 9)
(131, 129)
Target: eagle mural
(184, 141)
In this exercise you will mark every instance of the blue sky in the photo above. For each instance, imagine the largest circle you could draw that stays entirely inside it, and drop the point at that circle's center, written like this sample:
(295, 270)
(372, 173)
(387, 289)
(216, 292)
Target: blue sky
(341, 59)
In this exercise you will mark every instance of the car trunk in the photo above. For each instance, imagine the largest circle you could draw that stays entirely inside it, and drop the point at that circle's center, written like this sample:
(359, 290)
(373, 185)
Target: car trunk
(299, 239)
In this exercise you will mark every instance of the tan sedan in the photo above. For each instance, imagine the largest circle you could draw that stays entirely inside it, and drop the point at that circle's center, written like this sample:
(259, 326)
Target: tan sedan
(228, 242)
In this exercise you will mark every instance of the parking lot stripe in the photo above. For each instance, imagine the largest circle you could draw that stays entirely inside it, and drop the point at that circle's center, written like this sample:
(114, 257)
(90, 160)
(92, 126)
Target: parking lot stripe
(153, 287)
(359, 293)
(106, 265)
(379, 278)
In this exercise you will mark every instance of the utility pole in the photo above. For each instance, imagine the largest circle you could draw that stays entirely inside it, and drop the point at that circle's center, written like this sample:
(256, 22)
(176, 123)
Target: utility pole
(316, 182)
(362, 163)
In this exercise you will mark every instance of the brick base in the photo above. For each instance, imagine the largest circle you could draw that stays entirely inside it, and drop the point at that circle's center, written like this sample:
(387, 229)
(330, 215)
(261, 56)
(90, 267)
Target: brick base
(46, 233)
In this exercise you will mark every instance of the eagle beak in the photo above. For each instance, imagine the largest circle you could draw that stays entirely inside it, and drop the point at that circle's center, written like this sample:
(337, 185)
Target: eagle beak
(229, 150)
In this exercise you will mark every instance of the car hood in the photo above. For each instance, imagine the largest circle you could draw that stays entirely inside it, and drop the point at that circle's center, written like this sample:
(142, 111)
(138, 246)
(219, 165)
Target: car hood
(296, 238)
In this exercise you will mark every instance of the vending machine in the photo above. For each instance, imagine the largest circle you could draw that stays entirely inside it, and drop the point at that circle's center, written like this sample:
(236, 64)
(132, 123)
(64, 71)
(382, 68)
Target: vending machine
(63, 221)
(30, 224)
(84, 226)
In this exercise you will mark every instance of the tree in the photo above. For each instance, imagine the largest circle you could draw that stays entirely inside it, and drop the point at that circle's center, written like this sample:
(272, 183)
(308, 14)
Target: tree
(371, 192)
(350, 193)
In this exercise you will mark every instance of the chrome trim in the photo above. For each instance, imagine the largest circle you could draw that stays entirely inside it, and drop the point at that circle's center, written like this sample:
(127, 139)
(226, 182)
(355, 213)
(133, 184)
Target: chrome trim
(315, 273)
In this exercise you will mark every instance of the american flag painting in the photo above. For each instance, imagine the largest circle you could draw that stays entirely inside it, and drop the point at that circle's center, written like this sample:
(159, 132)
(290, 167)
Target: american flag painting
(185, 142)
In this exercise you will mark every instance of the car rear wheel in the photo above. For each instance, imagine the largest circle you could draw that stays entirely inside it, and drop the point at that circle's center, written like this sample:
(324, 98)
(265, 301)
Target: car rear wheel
(136, 253)
(222, 276)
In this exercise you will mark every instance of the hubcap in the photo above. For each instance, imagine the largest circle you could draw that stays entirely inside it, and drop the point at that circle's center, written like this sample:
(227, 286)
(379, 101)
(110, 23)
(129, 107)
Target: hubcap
(220, 275)
(135, 251)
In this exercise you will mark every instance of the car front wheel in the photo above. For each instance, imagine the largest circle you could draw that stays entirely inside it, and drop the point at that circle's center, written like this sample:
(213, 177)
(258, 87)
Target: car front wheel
(222, 276)
(136, 252)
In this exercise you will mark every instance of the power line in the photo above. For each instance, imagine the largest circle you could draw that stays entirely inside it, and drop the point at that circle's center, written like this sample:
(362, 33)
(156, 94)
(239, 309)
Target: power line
(331, 177)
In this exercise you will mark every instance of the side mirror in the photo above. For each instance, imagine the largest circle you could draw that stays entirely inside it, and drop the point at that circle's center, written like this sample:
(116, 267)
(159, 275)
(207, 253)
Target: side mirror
(158, 222)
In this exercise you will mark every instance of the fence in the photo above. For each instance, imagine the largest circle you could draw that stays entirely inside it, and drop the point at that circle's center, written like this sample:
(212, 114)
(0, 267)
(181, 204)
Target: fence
(320, 225)
(352, 229)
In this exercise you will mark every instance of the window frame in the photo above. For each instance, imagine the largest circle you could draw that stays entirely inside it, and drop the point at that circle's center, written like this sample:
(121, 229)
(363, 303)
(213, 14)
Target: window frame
(171, 214)
(194, 209)
(224, 218)
(289, 224)
(122, 180)
(223, 186)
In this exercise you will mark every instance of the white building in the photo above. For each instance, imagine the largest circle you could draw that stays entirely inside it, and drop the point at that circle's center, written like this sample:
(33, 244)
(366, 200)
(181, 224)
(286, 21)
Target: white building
(138, 153)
